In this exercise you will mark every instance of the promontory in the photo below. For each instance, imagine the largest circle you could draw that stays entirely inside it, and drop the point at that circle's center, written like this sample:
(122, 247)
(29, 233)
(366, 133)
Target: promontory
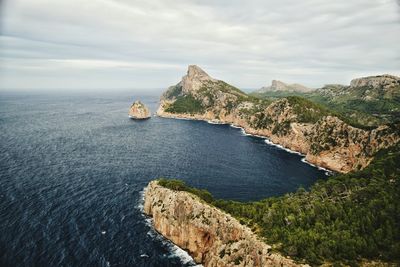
(327, 138)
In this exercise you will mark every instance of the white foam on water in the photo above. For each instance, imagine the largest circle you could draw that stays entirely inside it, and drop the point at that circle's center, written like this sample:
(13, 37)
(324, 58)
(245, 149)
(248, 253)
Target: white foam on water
(173, 249)
(327, 171)
(182, 254)
(180, 118)
(269, 142)
(215, 122)
(235, 126)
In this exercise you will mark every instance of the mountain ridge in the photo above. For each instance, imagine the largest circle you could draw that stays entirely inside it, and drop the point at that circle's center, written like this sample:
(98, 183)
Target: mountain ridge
(277, 85)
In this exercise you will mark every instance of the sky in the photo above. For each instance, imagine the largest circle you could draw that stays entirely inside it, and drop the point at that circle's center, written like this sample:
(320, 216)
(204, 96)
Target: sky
(110, 44)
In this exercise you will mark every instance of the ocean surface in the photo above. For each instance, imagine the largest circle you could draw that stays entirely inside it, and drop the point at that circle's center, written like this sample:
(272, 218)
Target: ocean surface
(73, 168)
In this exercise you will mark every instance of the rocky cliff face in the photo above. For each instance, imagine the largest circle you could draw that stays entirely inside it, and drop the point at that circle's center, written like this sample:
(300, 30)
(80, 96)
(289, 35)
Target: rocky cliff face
(335, 143)
(294, 123)
(139, 111)
(211, 236)
(366, 89)
(194, 79)
(381, 81)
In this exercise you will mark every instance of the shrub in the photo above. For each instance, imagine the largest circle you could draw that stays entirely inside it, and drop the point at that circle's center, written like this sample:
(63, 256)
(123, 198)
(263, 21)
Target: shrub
(186, 104)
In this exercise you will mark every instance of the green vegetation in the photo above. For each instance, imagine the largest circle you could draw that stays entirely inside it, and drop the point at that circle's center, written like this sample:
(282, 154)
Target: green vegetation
(261, 121)
(210, 87)
(179, 185)
(306, 110)
(276, 94)
(343, 219)
(281, 128)
(365, 105)
(186, 104)
(362, 107)
(173, 91)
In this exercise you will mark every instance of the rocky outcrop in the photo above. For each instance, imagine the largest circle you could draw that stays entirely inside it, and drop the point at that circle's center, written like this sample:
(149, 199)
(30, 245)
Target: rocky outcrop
(211, 236)
(366, 89)
(194, 79)
(281, 86)
(381, 81)
(297, 125)
(139, 111)
(335, 143)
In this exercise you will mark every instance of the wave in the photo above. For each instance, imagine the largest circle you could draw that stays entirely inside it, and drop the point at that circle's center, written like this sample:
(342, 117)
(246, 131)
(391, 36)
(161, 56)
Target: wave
(175, 251)
(327, 171)
(235, 126)
(215, 122)
(269, 142)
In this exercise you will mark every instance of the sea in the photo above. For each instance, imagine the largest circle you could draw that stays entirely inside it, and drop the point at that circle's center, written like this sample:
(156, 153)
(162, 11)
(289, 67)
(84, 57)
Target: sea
(73, 168)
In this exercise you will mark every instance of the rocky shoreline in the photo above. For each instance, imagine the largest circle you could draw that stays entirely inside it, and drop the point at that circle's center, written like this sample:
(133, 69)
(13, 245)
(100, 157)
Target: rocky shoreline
(284, 143)
(211, 236)
(167, 115)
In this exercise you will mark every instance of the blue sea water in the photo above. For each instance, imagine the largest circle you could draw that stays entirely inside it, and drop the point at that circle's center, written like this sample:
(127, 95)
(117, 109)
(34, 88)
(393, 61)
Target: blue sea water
(73, 168)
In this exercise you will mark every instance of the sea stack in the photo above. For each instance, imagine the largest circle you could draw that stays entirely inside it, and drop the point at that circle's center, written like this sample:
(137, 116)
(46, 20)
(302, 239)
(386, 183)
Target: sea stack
(139, 111)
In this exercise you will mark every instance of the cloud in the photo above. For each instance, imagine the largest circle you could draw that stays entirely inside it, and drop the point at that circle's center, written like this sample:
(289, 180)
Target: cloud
(129, 42)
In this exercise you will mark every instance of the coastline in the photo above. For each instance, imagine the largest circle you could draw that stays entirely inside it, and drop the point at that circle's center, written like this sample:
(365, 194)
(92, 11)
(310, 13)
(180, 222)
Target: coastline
(173, 248)
(267, 140)
(211, 236)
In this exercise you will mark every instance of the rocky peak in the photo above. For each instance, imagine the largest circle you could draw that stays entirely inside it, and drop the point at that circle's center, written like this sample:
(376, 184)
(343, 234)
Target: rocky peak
(281, 86)
(384, 81)
(194, 79)
(195, 71)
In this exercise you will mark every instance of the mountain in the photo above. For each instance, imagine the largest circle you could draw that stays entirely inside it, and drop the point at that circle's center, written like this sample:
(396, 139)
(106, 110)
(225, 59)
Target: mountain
(368, 89)
(366, 102)
(293, 122)
(281, 86)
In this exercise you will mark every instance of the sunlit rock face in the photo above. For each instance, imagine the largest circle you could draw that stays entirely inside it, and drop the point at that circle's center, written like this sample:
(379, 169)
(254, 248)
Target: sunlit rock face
(211, 236)
(139, 111)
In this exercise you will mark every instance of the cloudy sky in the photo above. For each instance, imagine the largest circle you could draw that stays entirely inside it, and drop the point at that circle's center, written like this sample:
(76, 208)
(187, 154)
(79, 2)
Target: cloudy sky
(109, 44)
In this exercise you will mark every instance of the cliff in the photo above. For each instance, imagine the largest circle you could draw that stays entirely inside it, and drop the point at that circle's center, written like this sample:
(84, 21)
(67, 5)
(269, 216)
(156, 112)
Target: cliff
(211, 236)
(293, 122)
(139, 111)
(384, 82)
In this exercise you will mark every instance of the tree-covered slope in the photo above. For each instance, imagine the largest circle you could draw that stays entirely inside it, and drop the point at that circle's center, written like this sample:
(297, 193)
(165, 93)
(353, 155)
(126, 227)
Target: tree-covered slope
(344, 219)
